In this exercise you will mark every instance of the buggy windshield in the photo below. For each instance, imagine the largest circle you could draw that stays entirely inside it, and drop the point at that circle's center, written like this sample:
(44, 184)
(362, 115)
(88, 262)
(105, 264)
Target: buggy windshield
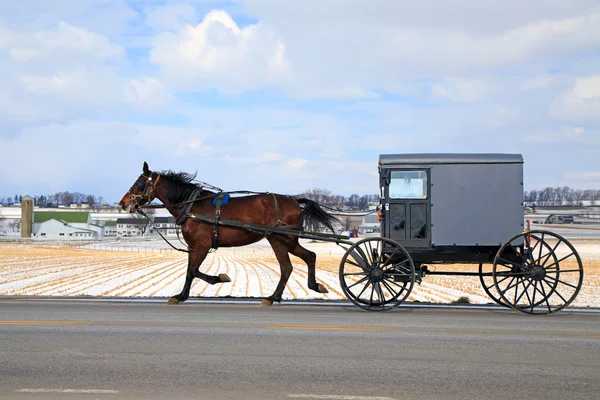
(408, 185)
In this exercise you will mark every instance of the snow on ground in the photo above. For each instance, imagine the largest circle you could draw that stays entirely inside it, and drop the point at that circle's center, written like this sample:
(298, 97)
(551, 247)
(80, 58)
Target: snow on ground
(100, 270)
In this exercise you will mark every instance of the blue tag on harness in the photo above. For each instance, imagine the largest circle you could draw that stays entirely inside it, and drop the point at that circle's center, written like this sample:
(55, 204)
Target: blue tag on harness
(223, 202)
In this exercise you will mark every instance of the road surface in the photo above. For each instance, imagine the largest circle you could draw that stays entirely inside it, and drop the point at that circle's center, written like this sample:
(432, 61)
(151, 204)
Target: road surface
(75, 349)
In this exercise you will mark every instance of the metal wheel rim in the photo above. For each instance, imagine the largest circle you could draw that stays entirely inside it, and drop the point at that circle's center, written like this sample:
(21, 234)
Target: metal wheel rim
(487, 288)
(544, 307)
(376, 304)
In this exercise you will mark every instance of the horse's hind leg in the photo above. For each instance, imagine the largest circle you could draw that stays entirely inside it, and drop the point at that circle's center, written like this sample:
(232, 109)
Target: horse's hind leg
(281, 252)
(195, 259)
(310, 258)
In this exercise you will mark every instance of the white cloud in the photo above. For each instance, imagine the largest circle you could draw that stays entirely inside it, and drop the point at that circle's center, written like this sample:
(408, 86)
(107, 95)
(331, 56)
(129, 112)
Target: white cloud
(193, 147)
(147, 92)
(296, 163)
(64, 73)
(388, 45)
(217, 53)
(65, 41)
(582, 101)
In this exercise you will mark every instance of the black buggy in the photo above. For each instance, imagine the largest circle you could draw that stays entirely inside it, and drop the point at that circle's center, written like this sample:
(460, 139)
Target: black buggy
(459, 209)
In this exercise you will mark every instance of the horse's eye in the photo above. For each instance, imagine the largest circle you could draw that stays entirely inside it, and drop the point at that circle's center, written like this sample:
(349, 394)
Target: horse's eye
(140, 186)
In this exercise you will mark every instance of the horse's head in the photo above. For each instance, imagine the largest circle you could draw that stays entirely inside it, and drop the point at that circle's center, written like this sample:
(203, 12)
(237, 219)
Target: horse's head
(141, 192)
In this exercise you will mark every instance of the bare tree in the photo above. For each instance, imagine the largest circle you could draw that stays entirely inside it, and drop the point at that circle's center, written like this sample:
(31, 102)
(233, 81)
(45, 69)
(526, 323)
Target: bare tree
(15, 225)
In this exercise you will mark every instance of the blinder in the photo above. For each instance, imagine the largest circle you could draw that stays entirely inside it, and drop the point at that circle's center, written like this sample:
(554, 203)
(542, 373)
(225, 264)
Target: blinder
(147, 188)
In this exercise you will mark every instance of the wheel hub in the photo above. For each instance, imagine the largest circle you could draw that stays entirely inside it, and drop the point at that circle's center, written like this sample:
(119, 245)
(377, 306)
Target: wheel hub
(377, 273)
(537, 272)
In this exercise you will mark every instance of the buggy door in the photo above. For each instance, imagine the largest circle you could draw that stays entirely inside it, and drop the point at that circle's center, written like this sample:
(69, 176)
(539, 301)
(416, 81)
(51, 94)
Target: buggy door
(407, 210)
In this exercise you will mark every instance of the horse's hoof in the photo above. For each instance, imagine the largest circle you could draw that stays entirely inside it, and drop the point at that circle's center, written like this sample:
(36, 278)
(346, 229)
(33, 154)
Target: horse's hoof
(224, 278)
(322, 288)
(266, 303)
(173, 300)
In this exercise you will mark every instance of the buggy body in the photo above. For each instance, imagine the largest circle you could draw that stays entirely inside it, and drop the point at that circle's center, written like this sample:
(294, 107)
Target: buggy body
(446, 208)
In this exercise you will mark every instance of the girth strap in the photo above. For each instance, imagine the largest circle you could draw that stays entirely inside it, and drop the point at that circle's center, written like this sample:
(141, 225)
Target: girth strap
(278, 222)
(215, 236)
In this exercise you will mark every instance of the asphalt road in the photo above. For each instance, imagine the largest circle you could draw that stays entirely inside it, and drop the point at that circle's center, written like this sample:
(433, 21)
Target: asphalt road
(89, 350)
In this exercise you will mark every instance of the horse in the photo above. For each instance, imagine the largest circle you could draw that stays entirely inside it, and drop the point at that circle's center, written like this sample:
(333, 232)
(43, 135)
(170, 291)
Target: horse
(181, 196)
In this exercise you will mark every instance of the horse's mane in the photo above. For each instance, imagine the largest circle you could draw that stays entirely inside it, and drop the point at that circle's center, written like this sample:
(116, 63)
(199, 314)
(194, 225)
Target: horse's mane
(180, 186)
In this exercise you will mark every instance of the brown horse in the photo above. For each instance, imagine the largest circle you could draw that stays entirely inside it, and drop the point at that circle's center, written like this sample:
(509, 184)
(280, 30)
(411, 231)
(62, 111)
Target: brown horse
(174, 190)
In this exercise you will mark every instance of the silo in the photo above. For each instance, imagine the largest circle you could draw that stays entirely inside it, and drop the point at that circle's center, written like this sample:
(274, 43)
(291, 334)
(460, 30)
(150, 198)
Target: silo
(26, 217)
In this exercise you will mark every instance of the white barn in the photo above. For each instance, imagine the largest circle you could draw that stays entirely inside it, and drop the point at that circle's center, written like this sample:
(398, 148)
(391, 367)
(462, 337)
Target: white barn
(166, 225)
(128, 227)
(110, 228)
(64, 225)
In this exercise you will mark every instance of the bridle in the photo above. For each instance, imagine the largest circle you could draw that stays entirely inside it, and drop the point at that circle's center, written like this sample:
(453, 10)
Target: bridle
(147, 193)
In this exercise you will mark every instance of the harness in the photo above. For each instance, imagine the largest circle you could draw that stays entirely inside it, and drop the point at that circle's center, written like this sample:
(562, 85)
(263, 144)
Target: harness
(219, 201)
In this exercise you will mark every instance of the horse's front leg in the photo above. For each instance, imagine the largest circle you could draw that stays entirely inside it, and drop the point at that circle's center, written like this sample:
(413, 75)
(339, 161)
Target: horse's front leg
(195, 259)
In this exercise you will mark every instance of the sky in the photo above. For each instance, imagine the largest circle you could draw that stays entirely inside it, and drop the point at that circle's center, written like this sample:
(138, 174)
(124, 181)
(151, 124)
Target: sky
(285, 96)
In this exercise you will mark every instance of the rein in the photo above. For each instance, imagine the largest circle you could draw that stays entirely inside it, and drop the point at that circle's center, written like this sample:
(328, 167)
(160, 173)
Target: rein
(161, 235)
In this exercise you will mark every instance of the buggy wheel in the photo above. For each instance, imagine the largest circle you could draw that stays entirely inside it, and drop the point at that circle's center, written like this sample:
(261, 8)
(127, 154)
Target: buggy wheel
(377, 274)
(537, 272)
(488, 285)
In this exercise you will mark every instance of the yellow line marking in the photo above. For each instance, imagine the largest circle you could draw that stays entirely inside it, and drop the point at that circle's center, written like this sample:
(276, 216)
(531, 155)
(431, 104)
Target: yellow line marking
(45, 322)
(79, 391)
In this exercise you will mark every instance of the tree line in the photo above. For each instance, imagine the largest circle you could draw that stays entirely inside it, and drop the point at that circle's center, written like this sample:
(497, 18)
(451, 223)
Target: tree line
(549, 196)
(353, 202)
(562, 195)
(57, 199)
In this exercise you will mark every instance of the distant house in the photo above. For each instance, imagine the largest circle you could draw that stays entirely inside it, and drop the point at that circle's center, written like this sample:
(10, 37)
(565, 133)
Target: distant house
(110, 228)
(166, 226)
(64, 225)
(127, 227)
(369, 226)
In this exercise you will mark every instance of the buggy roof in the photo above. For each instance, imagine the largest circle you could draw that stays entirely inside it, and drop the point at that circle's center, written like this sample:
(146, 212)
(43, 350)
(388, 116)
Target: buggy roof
(450, 158)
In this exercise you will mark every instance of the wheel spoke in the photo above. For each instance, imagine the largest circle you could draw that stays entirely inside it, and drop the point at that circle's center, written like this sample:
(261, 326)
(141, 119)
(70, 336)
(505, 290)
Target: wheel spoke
(562, 259)
(391, 257)
(509, 287)
(380, 293)
(562, 271)
(551, 252)
(359, 282)
(524, 291)
(541, 247)
(554, 290)
(563, 282)
(388, 287)
(534, 292)
(365, 288)
(545, 297)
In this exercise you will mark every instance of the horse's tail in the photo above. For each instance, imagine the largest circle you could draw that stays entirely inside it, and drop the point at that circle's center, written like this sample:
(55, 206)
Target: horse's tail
(313, 215)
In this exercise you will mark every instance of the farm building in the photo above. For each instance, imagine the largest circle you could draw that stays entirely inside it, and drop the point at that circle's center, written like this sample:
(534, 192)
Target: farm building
(166, 225)
(64, 225)
(110, 228)
(369, 226)
(128, 227)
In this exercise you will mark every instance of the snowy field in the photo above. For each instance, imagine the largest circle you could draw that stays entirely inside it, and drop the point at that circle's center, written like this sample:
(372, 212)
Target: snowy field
(147, 269)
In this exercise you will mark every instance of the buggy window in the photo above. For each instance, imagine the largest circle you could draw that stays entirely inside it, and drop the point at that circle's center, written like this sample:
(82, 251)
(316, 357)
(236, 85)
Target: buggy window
(408, 185)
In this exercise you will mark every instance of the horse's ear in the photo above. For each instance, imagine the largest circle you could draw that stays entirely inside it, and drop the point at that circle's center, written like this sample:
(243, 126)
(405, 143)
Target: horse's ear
(146, 169)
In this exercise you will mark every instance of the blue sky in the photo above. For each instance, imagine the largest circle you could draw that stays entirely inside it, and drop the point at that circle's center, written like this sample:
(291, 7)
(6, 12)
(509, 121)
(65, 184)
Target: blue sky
(288, 96)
